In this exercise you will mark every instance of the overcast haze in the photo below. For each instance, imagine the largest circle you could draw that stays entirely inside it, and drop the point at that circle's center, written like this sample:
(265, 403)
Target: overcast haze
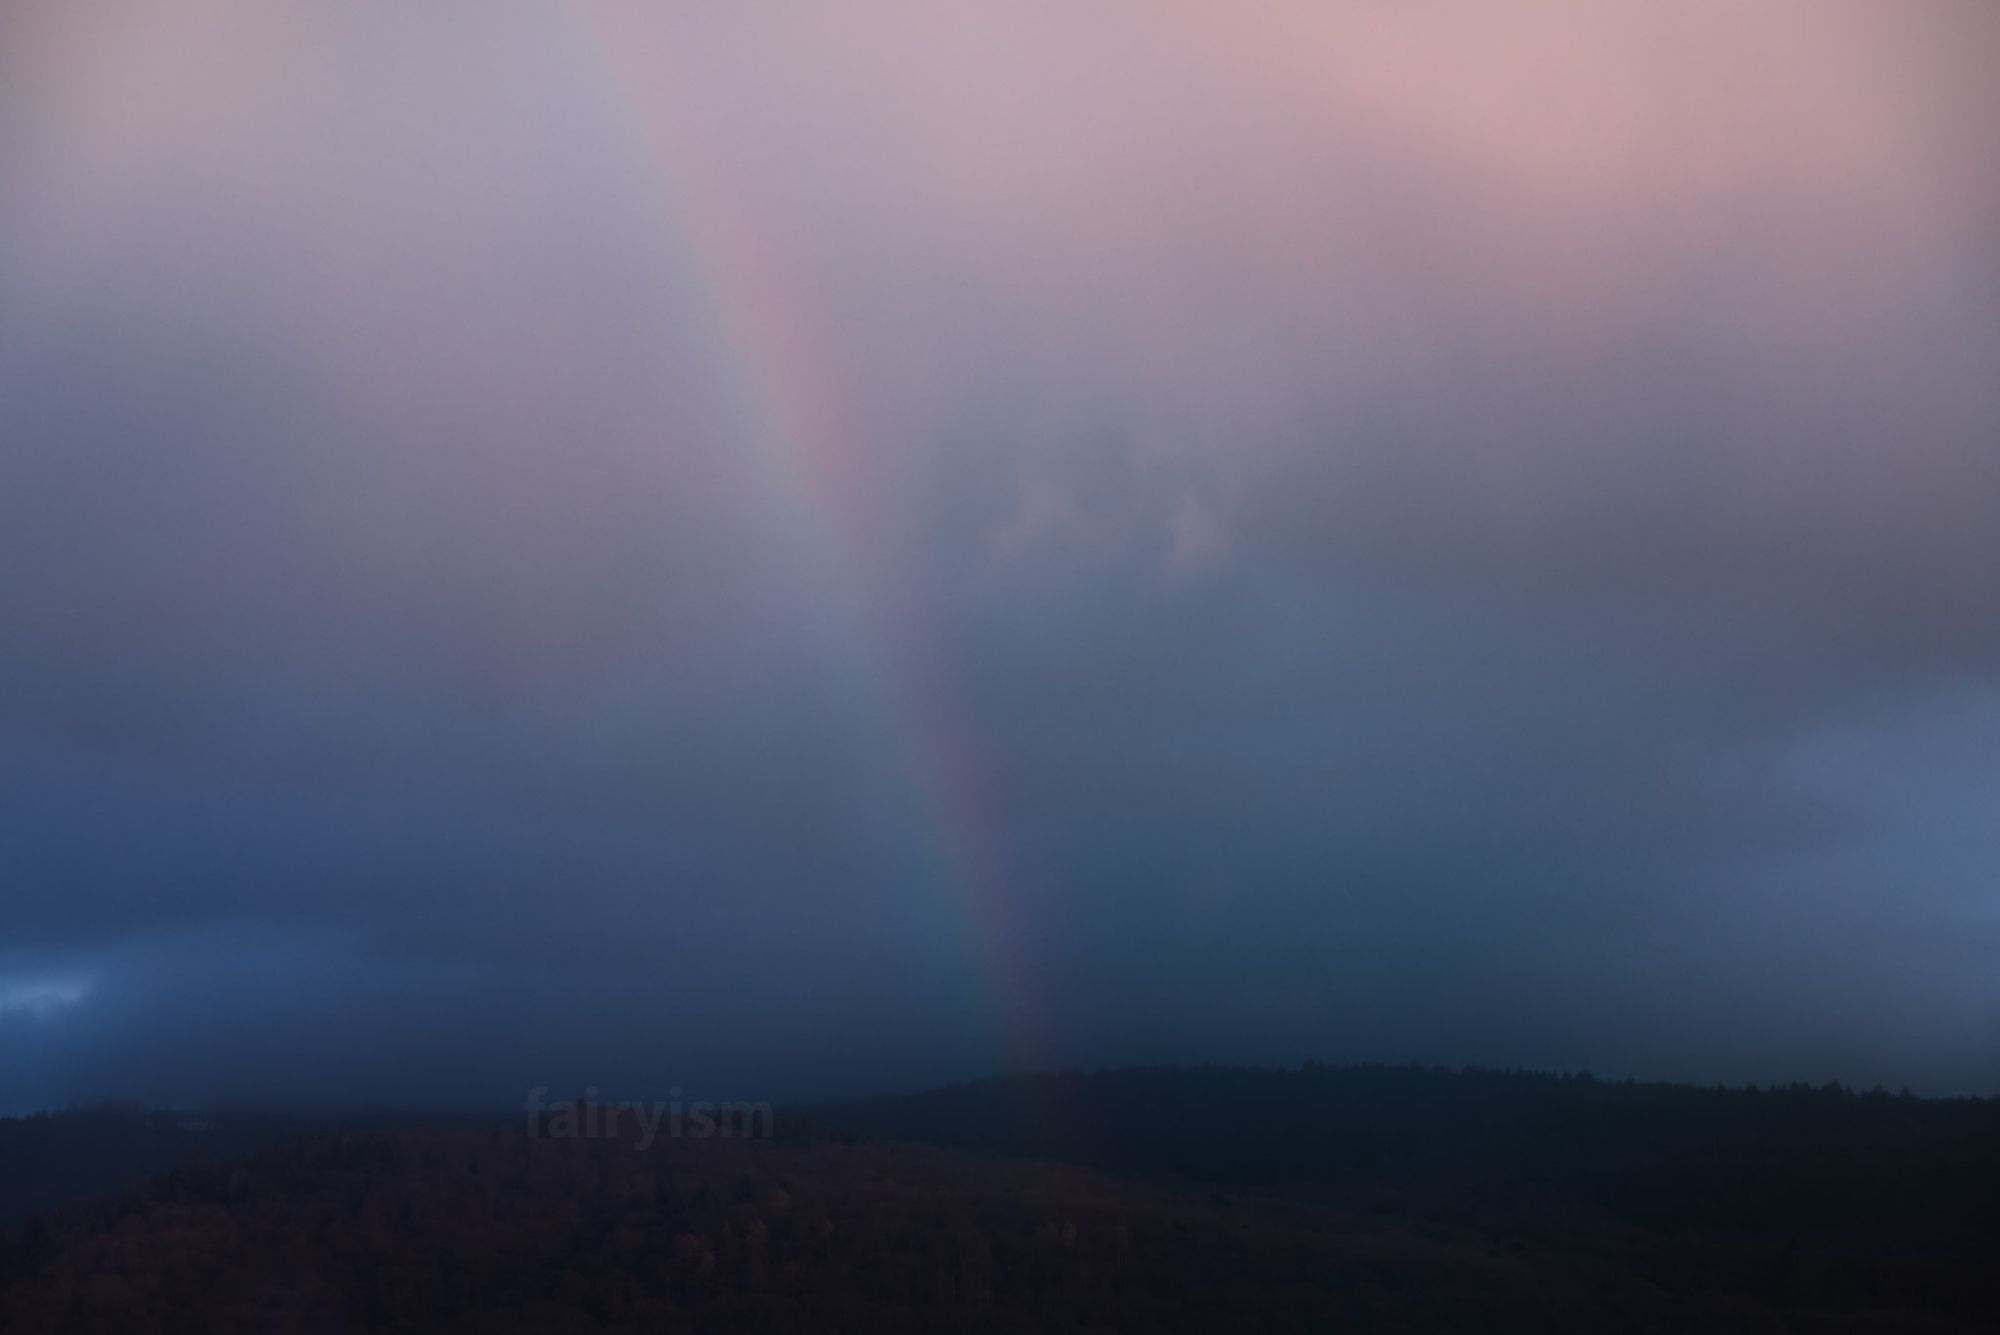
(786, 548)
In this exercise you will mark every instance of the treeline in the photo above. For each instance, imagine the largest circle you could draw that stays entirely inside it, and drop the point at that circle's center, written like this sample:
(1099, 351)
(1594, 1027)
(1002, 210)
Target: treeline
(500, 1232)
(50, 1159)
(1798, 1160)
(1419, 1201)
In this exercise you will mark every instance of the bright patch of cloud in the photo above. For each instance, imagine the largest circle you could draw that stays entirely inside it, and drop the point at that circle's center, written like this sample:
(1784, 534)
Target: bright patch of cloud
(42, 997)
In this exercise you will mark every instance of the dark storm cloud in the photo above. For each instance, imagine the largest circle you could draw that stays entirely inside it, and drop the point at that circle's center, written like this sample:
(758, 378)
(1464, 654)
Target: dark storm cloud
(1408, 565)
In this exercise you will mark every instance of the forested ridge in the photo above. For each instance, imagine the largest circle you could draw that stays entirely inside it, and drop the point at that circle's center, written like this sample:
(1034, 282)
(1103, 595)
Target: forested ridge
(1793, 1160)
(1366, 1199)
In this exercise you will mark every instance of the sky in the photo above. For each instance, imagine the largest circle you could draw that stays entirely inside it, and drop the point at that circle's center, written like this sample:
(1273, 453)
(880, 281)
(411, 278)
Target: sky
(787, 549)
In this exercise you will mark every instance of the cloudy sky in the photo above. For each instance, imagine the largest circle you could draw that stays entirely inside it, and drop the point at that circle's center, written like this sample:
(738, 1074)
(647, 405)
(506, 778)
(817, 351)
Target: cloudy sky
(787, 548)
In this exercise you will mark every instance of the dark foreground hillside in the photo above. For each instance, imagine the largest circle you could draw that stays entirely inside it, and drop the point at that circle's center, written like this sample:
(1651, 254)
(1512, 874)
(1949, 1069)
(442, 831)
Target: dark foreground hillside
(471, 1230)
(1362, 1200)
(50, 1160)
(1820, 1164)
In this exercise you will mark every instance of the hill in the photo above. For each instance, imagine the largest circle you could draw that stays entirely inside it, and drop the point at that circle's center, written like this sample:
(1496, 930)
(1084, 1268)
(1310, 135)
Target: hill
(1369, 1199)
(1796, 1162)
(464, 1230)
(51, 1159)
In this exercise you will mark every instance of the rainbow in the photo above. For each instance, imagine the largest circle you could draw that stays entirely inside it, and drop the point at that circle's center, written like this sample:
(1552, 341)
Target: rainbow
(802, 434)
